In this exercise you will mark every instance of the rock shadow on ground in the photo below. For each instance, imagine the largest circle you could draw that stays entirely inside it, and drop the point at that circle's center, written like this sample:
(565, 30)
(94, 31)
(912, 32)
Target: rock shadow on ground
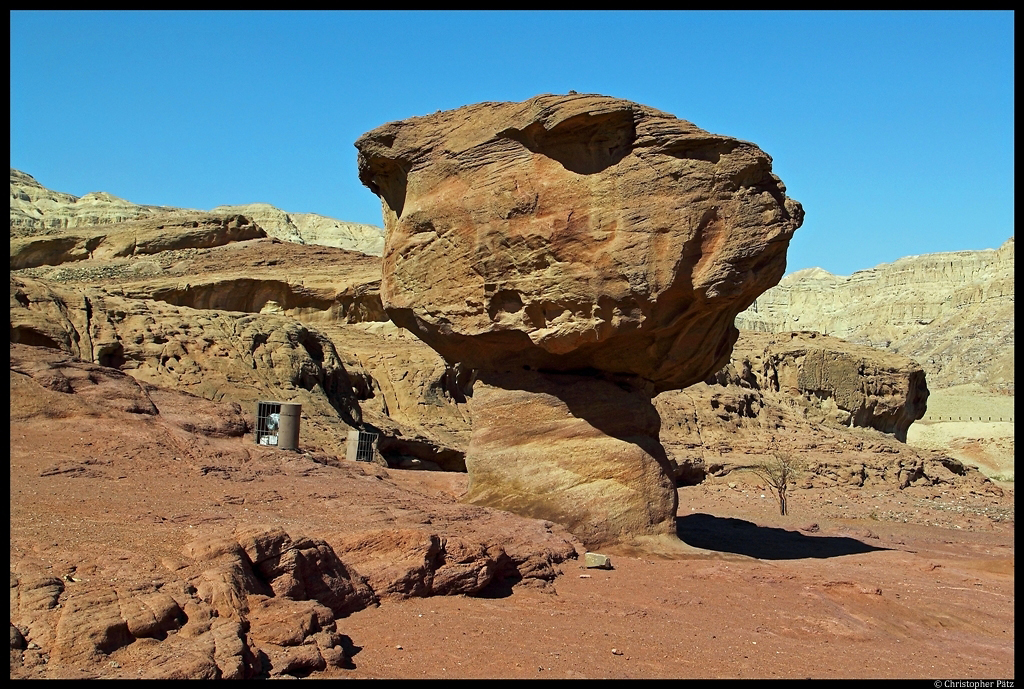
(738, 536)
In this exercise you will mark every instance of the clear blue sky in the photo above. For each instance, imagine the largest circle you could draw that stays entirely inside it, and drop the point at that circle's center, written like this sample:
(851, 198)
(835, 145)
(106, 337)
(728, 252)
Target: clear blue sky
(895, 130)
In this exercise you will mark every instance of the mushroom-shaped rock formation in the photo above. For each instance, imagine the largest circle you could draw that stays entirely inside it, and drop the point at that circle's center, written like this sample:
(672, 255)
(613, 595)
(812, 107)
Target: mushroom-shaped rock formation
(582, 253)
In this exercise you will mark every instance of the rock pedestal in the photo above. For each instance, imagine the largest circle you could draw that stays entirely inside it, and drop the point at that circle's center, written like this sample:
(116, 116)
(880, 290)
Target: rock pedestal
(576, 450)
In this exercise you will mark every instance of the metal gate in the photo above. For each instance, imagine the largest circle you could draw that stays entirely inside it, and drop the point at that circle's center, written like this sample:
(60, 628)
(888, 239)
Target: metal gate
(277, 424)
(268, 422)
(360, 446)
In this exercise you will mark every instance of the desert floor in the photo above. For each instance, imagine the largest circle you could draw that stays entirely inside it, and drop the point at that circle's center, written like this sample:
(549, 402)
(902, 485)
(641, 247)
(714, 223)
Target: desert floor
(841, 587)
(872, 582)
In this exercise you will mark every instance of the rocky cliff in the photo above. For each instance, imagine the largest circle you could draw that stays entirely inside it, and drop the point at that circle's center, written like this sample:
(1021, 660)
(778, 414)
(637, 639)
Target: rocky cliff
(951, 312)
(851, 385)
(839, 409)
(132, 238)
(406, 391)
(36, 210)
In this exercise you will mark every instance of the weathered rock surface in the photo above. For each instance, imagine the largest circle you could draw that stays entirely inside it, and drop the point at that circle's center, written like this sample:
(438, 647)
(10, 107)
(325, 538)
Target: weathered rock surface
(952, 312)
(576, 450)
(570, 232)
(173, 547)
(403, 387)
(36, 210)
(806, 395)
(135, 238)
(408, 393)
(200, 352)
(133, 507)
(713, 431)
(853, 384)
(583, 235)
(310, 228)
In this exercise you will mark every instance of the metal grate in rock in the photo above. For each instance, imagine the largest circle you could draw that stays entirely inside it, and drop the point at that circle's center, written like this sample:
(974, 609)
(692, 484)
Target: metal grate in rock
(364, 448)
(268, 422)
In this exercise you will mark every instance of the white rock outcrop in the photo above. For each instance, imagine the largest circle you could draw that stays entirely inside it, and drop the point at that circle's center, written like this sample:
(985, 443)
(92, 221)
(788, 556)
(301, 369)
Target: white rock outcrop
(38, 210)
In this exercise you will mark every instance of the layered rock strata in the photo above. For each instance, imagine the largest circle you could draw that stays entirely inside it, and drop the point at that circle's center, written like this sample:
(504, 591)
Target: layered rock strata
(852, 385)
(579, 235)
(806, 393)
(952, 312)
(215, 355)
(134, 238)
(36, 210)
(407, 393)
(576, 450)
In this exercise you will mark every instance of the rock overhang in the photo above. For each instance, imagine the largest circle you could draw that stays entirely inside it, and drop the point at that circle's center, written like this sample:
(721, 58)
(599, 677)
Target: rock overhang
(575, 232)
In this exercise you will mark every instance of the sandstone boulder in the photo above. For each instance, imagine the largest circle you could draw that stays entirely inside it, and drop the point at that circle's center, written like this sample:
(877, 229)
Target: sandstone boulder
(580, 235)
(571, 232)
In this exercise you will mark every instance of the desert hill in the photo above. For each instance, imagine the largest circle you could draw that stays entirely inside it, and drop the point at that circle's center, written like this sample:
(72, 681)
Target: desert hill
(36, 210)
(951, 312)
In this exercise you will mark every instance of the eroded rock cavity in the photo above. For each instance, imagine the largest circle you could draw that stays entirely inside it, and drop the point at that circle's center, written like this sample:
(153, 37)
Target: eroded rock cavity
(582, 253)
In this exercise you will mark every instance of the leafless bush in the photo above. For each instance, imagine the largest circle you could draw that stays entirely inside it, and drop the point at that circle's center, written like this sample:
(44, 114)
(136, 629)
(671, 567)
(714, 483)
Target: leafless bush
(779, 471)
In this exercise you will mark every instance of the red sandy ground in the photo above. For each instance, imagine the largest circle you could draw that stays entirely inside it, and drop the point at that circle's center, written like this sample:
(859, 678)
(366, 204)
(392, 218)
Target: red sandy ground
(855, 598)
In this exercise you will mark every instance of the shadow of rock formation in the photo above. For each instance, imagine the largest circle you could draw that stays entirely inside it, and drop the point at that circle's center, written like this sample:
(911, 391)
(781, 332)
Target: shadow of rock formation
(730, 535)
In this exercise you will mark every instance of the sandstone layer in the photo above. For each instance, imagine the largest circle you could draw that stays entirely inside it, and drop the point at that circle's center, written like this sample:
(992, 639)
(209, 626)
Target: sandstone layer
(951, 312)
(200, 352)
(576, 450)
(582, 235)
(840, 410)
(36, 210)
(401, 386)
(403, 389)
(133, 238)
